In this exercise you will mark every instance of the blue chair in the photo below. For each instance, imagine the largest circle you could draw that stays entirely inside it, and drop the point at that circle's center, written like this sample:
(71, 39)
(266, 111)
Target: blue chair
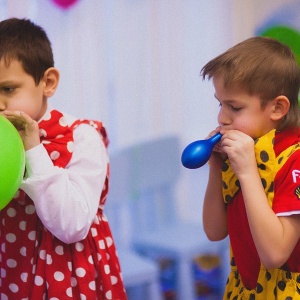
(140, 275)
(158, 231)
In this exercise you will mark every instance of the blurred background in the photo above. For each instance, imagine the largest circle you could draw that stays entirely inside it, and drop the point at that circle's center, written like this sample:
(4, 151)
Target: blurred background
(135, 64)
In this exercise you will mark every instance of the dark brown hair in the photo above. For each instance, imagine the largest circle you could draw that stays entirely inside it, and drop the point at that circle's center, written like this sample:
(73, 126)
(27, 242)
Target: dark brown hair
(22, 40)
(263, 67)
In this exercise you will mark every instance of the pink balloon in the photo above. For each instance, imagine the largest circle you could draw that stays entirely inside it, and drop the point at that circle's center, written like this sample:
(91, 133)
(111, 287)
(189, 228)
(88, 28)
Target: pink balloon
(65, 4)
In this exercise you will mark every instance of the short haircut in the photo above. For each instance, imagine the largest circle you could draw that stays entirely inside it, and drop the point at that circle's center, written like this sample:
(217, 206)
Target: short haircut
(263, 67)
(22, 40)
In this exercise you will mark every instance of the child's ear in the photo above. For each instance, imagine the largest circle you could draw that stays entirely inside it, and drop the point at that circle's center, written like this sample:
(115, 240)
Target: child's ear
(280, 108)
(50, 79)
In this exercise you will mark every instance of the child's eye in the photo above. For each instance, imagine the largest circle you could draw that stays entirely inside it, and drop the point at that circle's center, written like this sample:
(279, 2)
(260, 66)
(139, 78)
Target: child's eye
(235, 108)
(8, 89)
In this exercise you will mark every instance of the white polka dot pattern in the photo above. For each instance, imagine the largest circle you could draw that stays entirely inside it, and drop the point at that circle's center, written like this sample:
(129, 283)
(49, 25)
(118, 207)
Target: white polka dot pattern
(34, 262)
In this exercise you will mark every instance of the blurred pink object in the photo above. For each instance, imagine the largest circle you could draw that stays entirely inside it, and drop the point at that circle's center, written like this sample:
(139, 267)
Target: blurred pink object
(64, 4)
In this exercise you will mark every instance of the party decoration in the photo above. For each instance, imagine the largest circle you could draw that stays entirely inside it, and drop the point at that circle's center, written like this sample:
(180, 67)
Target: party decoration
(65, 4)
(284, 25)
(196, 154)
(286, 35)
(12, 161)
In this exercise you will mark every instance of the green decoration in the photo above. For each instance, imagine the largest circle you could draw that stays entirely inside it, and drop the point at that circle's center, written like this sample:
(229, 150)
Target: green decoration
(288, 36)
(12, 161)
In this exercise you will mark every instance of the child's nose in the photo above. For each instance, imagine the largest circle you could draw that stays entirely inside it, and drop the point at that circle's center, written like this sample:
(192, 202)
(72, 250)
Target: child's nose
(223, 117)
(2, 104)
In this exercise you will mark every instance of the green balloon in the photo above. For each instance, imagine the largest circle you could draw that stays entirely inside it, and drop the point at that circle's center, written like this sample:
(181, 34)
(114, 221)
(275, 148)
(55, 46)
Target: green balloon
(12, 161)
(286, 35)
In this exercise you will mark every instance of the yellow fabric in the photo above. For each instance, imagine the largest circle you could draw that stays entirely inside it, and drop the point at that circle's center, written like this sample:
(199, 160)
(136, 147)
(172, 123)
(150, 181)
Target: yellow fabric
(275, 284)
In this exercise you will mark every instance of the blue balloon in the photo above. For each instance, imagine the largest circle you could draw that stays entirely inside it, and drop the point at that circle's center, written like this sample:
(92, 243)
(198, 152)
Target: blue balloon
(196, 154)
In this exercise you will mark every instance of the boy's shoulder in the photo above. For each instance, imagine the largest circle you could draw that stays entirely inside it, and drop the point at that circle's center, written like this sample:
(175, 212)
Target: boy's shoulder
(285, 139)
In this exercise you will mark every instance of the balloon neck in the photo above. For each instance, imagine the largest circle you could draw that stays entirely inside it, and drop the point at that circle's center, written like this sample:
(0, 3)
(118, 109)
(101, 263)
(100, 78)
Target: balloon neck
(216, 138)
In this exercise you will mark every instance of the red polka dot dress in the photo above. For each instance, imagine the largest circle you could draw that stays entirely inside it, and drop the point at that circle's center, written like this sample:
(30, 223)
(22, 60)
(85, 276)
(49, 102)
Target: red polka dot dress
(35, 264)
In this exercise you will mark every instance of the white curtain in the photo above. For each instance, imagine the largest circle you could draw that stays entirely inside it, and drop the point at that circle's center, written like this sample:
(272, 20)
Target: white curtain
(135, 64)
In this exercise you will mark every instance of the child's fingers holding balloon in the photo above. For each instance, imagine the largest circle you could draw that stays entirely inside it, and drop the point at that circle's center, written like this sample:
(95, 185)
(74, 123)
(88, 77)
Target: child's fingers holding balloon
(27, 127)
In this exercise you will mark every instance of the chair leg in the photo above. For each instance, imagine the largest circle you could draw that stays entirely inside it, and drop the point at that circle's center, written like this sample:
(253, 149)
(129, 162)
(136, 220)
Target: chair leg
(146, 291)
(185, 281)
(154, 291)
(136, 292)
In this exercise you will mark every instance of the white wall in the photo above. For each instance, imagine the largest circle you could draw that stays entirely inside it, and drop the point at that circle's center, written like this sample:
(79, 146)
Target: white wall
(135, 65)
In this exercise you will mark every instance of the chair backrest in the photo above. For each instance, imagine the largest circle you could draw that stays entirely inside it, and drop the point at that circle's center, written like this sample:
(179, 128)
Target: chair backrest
(116, 206)
(143, 186)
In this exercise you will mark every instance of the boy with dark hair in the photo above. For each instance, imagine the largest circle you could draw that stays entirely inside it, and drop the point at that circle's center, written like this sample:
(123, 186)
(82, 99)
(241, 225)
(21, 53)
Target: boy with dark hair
(55, 239)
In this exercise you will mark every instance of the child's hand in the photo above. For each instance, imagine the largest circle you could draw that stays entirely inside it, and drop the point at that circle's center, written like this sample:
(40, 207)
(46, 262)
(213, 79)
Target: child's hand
(27, 127)
(240, 150)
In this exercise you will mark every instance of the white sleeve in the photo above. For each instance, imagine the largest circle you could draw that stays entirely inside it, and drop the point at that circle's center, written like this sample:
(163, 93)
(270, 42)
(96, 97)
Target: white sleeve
(66, 200)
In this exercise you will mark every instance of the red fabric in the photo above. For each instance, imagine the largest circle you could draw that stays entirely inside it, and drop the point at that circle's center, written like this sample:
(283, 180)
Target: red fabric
(285, 199)
(37, 265)
(287, 186)
(245, 254)
(287, 194)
